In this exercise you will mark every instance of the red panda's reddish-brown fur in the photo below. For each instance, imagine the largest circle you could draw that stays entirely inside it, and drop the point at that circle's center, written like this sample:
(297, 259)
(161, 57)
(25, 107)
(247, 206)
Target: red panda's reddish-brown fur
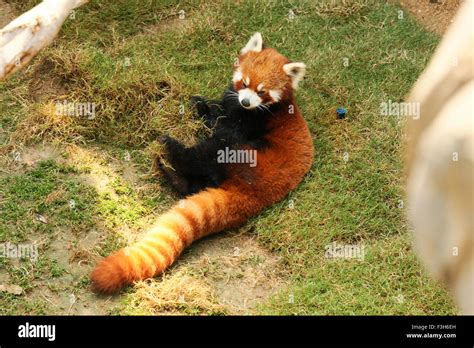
(245, 193)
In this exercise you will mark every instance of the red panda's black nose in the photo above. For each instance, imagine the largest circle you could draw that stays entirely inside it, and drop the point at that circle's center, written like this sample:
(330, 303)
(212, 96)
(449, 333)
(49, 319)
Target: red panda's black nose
(245, 102)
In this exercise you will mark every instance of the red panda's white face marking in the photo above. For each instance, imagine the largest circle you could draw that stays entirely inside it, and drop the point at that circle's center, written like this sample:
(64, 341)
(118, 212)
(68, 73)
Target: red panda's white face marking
(275, 94)
(264, 76)
(237, 76)
(249, 99)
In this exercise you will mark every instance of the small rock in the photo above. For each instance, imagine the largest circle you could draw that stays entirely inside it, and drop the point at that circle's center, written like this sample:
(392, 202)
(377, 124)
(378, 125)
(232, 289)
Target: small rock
(11, 289)
(41, 218)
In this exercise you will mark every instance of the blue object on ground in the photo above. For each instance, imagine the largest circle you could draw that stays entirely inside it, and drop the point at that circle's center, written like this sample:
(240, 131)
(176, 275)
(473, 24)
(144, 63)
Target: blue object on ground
(341, 112)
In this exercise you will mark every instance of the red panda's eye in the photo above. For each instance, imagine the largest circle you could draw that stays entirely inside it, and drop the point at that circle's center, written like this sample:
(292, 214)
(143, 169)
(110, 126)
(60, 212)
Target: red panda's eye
(244, 84)
(260, 93)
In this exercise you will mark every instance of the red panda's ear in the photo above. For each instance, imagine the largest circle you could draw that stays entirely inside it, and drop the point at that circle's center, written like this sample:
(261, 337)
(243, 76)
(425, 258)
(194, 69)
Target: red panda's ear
(255, 44)
(296, 71)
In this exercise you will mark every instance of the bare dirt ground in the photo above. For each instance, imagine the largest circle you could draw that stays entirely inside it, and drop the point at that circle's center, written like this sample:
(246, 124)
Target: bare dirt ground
(435, 15)
(7, 13)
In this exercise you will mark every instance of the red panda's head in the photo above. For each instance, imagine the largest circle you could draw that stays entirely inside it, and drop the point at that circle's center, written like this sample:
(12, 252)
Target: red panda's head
(264, 76)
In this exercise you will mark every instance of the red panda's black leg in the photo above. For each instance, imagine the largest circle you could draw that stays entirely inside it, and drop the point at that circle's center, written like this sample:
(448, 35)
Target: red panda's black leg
(167, 166)
(192, 169)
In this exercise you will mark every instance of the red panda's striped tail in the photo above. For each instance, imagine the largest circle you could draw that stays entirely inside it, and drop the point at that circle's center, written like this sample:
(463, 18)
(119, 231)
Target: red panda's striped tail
(192, 218)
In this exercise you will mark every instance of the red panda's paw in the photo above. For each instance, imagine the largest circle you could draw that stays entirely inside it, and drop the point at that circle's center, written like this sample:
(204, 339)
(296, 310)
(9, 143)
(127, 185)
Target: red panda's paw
(200, 104)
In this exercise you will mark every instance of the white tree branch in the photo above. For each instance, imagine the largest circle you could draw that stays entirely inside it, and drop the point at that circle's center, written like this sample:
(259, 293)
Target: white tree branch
(25, 36)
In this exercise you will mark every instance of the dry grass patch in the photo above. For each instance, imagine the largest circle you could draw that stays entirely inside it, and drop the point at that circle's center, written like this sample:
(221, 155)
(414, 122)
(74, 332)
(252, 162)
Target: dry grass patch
(227, 273)
(177, 293)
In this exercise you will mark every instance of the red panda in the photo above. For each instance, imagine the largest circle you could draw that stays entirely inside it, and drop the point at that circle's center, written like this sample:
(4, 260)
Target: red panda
(259, 113)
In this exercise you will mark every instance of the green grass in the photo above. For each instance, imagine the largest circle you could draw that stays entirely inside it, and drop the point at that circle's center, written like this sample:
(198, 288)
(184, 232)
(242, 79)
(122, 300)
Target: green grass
(353, 201)
(25, 197)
